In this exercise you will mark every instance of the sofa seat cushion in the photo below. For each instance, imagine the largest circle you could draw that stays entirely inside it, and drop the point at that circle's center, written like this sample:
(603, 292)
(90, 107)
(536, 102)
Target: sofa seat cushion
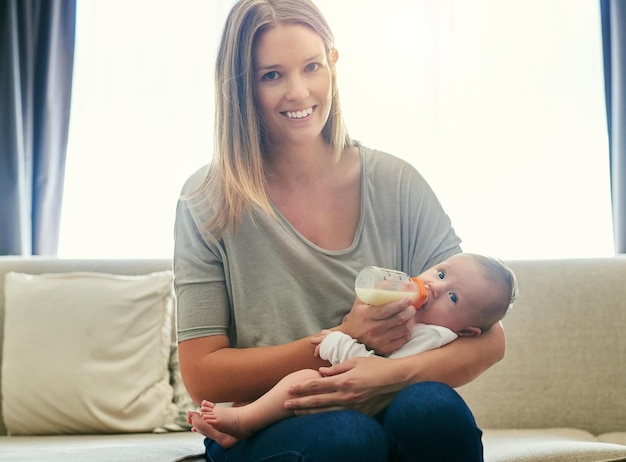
(614, 437)
(141, 447)
(548, 445)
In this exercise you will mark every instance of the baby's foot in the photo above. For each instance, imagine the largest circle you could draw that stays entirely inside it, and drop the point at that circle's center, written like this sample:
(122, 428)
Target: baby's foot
(199, 425)
(225, 419)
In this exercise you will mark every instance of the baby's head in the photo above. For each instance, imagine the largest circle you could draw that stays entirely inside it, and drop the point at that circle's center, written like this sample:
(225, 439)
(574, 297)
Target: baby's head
(467, 293)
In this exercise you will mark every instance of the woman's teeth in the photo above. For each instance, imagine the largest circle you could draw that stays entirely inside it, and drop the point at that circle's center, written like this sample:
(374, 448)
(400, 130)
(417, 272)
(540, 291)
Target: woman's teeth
(299, 114)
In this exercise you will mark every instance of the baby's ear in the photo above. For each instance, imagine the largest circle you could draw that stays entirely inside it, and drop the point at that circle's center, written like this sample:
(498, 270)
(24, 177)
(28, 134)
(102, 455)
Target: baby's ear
(469, 332)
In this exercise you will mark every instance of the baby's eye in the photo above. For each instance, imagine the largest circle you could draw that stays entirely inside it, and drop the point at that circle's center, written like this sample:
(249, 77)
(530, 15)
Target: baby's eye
(312, 67)
(441, 274)
(273, 75)
(453, 297)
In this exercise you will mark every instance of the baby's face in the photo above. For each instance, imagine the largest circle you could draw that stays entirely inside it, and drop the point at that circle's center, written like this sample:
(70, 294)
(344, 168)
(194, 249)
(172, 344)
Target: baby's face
(457, 289)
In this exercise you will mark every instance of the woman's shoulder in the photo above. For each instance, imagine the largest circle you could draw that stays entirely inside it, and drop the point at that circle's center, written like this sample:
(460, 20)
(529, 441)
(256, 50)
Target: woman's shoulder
(194, 203)
(195, 181)
(380, 163)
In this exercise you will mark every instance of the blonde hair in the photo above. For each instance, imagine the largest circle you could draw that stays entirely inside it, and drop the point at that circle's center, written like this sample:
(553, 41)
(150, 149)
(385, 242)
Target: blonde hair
(236, 179)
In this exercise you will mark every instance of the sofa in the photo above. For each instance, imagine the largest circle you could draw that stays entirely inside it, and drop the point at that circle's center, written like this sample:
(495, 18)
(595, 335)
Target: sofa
(67, 336)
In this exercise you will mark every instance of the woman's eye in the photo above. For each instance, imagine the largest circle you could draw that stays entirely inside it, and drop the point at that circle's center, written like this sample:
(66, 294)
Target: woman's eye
(273, 75)
(454, 298)
(312, 67)
(441, 274)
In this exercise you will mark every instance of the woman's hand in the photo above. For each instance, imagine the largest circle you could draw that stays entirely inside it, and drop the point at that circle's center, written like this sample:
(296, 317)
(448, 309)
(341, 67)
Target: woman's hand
(383, 328)
(364, 384)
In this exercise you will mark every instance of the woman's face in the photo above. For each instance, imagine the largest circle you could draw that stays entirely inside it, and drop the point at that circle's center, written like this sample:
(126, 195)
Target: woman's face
(293, 83)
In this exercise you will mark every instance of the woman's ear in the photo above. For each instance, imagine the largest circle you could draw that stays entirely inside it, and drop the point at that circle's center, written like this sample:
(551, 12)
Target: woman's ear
(469, 332)
(333, 56)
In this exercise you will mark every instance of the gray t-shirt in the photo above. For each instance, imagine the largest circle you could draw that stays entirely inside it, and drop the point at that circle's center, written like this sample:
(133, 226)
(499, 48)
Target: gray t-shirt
(267, 285)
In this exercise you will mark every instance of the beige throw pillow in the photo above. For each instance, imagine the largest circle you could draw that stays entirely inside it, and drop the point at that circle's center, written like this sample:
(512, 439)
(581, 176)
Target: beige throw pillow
(87, 353)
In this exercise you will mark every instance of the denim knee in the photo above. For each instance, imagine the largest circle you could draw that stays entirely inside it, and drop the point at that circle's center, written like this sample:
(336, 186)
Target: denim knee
(429, 421)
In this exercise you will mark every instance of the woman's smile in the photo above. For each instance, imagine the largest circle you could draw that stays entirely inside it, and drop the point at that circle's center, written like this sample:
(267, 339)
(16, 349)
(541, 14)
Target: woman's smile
(299, 114)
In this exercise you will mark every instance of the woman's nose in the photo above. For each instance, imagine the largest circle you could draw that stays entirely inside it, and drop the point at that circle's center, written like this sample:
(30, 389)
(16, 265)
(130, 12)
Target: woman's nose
(297, 89)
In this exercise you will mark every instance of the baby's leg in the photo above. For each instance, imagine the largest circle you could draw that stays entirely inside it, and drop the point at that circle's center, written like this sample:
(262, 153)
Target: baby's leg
(243, 421)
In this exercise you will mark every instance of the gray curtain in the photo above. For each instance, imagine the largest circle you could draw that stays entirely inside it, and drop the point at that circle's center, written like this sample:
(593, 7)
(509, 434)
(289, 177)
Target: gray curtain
(36, 64)
(613, 14)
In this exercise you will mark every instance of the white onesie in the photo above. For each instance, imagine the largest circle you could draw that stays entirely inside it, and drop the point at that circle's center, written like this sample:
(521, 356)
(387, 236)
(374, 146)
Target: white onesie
(338, 347)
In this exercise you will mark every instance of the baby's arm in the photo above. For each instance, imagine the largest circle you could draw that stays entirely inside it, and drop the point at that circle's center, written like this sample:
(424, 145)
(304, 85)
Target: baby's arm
(337, 347)
(423, 338)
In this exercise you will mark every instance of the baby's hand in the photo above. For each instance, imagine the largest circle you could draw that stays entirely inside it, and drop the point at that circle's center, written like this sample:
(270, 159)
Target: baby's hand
(318, 339)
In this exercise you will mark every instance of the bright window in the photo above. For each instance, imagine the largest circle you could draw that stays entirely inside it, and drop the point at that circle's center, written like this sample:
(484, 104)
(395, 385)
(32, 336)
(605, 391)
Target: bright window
(498, 103)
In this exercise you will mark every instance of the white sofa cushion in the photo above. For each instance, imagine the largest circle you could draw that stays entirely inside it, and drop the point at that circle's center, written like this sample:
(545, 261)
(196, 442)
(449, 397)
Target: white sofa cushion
(548, 445)
(613, 437)
(87, 353)
(136, 447)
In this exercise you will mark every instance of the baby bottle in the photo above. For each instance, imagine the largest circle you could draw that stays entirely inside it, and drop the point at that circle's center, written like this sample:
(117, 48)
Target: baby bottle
(377, 286)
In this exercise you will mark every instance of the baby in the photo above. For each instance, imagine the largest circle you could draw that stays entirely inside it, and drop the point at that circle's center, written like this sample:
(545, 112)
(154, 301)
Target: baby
(467, 294)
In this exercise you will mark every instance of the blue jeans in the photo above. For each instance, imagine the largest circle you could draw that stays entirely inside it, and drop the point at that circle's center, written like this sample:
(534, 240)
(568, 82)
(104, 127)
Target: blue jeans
(427, 421)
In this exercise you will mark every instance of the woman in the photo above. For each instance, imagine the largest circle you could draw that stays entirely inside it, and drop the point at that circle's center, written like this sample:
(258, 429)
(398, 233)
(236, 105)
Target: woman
(269, 241)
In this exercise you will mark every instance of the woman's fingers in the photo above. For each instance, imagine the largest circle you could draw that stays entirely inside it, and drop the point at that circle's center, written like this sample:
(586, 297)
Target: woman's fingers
(354, 384)
(384, 328)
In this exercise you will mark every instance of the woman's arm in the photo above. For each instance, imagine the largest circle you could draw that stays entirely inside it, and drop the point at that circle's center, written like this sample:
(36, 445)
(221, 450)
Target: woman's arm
(214, 371)
(459, 362)
(368, 384)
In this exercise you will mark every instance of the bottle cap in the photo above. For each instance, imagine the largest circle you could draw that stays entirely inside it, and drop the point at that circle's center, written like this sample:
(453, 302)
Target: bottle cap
(422, 296)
